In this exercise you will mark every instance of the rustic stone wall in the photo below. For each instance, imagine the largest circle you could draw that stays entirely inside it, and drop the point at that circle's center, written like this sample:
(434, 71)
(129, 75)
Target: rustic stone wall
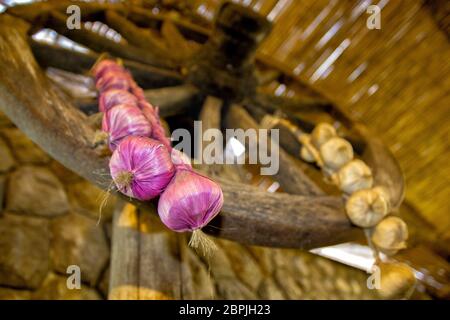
(50, 220)
(242, 272)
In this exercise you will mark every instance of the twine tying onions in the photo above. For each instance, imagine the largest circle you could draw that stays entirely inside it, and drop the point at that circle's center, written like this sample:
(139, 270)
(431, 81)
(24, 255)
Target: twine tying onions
(144, 165)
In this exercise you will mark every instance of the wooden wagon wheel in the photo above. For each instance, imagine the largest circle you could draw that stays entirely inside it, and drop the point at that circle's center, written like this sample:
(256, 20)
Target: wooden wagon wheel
(179, 80)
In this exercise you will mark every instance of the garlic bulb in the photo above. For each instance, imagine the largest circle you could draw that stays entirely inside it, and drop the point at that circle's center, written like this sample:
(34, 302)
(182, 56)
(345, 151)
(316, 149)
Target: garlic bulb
(336, 152)
(322, 133)
(365, 208)
(354, 176)
(385, 194)
(308, 152)
(307, 155)
(390, 235)
(397, 281)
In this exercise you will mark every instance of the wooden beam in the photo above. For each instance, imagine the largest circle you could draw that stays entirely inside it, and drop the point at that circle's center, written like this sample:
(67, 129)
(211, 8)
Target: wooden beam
(290, 175)
(77, 62)
(147, 260)
(145, 18)
(385, 168)
(161, 263)
(171, 101)
(139, 37)
(36, 11)
(271, 103)
(210, 116)
(176, 42)
(124, 269)
(254, 216)
(98, 43)
(265, 77)
(174, 100)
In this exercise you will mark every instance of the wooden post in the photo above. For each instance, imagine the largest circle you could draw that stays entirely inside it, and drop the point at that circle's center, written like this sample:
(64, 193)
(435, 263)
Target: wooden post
(148, 260)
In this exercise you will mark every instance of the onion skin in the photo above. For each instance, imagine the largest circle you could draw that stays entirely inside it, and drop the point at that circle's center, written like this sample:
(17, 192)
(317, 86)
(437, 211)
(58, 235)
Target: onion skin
(180, 159)
(122, 121)
(104, 66)
(152, 116)
(113, 79)
(137, 91)
(148, 163)
(111, 98)
(190, 201)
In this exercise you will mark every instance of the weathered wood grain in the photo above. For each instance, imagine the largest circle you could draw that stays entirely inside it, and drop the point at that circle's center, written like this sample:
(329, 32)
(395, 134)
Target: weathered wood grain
(257, 216)
(290, 175)
(35, 11)
(386, 170)
(78, 62)
(96, 42)
(175, 41)
(171, 101)
(174, 100)
(138, 37)
(210, 116)
(272, 102)
(160, 259)
(148, 261)
(124, 272)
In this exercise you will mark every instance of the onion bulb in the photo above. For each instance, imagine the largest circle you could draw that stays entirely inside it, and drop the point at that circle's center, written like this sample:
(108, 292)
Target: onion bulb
(122, 121)
(141, 167)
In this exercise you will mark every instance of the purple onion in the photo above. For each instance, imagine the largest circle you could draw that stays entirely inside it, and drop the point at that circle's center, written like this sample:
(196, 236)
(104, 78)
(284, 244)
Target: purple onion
(137, 91)
(141, 167)
(190, 201)
(113, 79)
(104, 66)
(180, 159)
(122, 121)
(113, 97)
(158, 132)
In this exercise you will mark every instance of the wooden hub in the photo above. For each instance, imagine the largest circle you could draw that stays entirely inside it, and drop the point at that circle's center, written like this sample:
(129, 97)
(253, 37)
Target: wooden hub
(225, 65)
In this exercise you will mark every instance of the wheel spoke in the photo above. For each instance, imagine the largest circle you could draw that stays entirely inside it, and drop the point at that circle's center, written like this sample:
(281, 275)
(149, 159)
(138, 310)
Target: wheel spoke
(176, 42)
(78, 62)
(99, 43)
(290, 175)
(272, 103)
(210, 117)
(174, 100)
(139, 37)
